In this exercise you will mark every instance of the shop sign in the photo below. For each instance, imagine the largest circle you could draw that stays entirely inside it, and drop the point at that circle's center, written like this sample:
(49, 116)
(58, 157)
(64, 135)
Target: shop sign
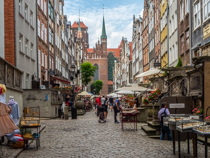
(177, 105)
(157, 64)
(206, 31)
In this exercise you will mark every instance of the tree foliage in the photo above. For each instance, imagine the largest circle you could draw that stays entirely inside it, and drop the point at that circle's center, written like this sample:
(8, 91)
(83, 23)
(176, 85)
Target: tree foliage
(179, 64)
(97, 85)
(87, 70)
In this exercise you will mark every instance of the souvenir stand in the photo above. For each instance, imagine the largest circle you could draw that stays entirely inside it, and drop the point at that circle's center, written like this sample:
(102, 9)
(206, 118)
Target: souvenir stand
(31, 120)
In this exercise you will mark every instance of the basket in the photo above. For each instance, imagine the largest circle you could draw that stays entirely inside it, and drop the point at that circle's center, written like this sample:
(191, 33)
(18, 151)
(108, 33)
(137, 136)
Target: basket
(18, 144)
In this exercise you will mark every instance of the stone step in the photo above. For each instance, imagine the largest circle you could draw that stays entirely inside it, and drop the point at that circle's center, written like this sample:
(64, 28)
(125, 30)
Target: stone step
(148, 130)
(151, 124)
(154, 136)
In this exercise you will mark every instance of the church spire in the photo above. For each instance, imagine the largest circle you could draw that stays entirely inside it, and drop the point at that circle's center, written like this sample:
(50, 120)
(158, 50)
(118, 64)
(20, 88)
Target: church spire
(103, 35)
(79, 33)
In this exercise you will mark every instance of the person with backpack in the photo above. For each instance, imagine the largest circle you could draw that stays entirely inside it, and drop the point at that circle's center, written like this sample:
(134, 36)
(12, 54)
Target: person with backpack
(164, 112)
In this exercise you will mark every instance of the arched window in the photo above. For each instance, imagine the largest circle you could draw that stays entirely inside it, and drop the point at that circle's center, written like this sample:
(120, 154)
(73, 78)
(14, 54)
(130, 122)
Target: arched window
(96, 76)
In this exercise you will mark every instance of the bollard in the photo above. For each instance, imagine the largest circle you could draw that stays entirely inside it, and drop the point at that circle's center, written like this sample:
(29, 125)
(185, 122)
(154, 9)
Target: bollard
(66, 111)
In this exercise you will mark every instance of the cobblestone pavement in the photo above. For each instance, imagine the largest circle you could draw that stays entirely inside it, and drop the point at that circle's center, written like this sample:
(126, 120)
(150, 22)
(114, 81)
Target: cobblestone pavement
(85, 137)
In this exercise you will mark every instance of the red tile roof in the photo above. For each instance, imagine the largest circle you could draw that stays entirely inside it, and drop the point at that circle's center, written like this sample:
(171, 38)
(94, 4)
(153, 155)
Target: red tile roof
(82, 25)
(110, 82)
(89, 50)
(115, 51)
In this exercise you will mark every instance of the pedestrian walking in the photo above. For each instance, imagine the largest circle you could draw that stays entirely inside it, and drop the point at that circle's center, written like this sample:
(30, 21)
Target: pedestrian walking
(98, 103)
(116, 109)
(103, 101)
(111, 100)
(164, 112)
(106, 108)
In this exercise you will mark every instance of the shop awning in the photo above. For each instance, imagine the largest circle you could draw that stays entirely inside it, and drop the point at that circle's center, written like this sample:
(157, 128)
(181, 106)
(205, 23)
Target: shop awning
(135, 88)
(61, 80)
(150, 72)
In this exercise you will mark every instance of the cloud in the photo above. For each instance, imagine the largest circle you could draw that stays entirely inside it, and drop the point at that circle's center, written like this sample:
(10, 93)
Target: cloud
(118, 20)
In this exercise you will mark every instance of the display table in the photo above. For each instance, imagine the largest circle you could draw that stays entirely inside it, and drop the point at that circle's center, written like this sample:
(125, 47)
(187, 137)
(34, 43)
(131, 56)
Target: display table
(129, 117)
(206, 135)
(37, 129)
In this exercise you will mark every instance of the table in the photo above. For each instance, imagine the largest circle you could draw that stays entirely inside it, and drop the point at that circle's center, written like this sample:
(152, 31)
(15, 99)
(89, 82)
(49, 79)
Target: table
(128, 115)
(37, 128)
(206, 135)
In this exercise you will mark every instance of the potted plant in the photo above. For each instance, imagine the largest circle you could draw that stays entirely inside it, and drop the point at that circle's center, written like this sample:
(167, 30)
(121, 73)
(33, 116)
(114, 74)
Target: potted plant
(197, 111)
(154, 94)
(150, 98)
(158, 91)
(145, 101)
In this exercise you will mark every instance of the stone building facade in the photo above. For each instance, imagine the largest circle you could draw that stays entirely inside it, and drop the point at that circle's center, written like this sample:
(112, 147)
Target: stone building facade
(184, 32)
(42, 29)
(145, 39)
(26, 44)
(200, 24)
(172, 34)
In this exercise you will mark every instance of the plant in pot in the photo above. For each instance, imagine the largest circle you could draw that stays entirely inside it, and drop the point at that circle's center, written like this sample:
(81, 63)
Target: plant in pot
(145, 101)
(150, 98)
(154, 95)
(158, 91)
(197, 111)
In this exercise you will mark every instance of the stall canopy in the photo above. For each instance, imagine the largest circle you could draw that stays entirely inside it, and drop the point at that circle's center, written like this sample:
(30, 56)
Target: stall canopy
(84, 93)
(135, 88)
(126, 92)
(150, 72)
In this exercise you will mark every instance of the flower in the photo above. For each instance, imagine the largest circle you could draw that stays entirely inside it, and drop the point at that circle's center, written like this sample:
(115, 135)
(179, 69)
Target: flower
(195, 109)
(198, 111)
(207, 118)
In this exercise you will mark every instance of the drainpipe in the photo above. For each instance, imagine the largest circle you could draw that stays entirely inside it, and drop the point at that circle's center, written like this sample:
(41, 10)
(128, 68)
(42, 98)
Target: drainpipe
(190, 12)
(168, 33)
(37, 57)
(15, 35)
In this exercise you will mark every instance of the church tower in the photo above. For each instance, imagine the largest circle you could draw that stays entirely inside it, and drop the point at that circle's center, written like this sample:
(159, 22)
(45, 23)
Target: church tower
(104, 40)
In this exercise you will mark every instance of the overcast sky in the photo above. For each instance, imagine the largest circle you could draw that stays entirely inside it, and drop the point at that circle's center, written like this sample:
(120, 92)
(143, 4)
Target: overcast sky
(118, 16)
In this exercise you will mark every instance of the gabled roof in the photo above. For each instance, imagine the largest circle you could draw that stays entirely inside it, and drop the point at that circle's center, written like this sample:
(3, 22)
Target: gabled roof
(82, 25)
(89, 50)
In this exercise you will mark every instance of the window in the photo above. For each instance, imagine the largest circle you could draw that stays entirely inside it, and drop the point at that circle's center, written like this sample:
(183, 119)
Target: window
(187, 37)
(45, 8)
(206, 12)
(49, 62)
(26, 12)
(39, 63)
(181, 10)
(42, 32)
(42, 4)
(26, 47)
(60, 9)
(38, 27)
(21, 43)
(163, 2)
(45, 30)
(20, 6)
(31, 18)
(186, 6)
(38, 2)
(32, 51)
(197, 17)
(43, 59)
(46, 61)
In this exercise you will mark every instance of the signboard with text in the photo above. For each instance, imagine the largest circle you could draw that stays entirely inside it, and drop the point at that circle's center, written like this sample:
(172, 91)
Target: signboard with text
(177, 105)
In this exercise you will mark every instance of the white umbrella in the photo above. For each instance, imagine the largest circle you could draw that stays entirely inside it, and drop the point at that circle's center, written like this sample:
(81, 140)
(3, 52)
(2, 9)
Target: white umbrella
(125, 92)
(135, 88)
(84, 93)
(114, 95)
(152, 71)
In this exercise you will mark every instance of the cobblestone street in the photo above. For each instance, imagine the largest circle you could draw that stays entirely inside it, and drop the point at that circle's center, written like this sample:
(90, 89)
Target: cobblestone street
(85, 137)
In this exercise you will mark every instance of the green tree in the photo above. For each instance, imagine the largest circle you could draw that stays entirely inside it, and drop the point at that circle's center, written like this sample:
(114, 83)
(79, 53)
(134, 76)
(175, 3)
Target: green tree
(87, 70)
(92, 87)
(98, 86)
(179, 64)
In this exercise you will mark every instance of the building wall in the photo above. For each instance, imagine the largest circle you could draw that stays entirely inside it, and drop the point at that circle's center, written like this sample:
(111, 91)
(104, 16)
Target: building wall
(173, 34)
(103, 69)
(2, 29)
(183, 26)
(157, 32)
(25, 29)
(9, 35)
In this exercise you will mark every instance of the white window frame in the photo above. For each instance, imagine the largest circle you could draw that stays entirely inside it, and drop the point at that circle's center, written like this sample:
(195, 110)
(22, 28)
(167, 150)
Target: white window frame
(21, 43)
(163, 2)
(26, 12)
(31, 18)
(20, 6)
(42, 4)
(187, 6)
(32, 51)
(196, 12)
(208, 10)
(43, 59)
(181, 10)
(26, 47)
(45, 35)
(38, 27)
